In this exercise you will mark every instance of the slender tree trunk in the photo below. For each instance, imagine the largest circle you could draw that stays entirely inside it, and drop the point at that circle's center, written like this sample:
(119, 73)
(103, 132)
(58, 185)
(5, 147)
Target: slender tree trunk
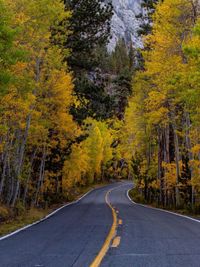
(148, 157)
(29, 176)
(11, 186)
(37, 79)
(4, 170)
(177, 159)
(16, 193)
(41, 175)
(189, 151)
(5, 162)
(160, 160)
(166, 159)
(21, 159)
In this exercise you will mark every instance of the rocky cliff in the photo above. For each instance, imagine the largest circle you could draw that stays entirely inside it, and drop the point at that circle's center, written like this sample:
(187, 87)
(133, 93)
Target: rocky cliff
(125, 22)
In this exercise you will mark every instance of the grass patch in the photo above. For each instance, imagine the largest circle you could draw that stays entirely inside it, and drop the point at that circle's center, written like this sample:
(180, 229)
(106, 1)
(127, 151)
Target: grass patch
(28, 217)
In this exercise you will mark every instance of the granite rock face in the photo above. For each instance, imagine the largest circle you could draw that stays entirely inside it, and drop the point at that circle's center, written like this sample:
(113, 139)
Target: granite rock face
(125, 23)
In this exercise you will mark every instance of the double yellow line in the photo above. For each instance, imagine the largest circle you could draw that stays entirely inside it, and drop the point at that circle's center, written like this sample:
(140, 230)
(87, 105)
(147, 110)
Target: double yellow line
(97, 261)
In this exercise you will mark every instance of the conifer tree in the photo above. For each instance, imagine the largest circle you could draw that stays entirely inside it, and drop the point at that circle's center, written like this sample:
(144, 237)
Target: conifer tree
(90, 26)
(145, 17)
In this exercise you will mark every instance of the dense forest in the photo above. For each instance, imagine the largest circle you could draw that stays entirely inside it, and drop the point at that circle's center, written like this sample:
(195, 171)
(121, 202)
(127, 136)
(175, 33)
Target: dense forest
(162, 120)
(72, 114)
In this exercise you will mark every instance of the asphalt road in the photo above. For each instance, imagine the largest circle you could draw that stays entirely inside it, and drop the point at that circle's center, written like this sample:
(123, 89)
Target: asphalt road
(152, 238)
(75, 235)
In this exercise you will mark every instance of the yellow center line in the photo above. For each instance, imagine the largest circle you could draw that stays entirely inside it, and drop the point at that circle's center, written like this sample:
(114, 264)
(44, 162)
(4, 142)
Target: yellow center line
(116, 242)
(120, 222)
(97, 261)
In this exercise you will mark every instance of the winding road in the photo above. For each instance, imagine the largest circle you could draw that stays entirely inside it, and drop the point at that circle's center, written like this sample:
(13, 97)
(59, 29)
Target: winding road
(106, 229)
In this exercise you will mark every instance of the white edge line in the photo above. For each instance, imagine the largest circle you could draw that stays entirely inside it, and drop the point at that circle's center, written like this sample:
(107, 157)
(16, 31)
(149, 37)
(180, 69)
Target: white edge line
(166, 211)
(48, 216)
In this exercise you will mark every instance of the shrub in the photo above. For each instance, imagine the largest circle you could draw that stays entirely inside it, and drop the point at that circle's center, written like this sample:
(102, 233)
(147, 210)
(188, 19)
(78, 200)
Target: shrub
(4, 213)
(137, 196)
(19, 208)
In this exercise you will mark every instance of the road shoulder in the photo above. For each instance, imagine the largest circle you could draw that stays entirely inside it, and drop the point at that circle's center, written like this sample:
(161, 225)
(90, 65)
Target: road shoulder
(163, 210)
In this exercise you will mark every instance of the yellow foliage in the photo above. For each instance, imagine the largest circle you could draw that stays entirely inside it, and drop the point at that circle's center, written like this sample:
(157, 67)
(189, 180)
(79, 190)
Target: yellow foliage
(196, 150)
(76, 167)
(86, 160)
(170, 174)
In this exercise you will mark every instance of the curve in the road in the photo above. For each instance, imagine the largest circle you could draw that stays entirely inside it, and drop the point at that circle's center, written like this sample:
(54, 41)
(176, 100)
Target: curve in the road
(72, 237)
(152, 237)
(76, 235)
(167, 211)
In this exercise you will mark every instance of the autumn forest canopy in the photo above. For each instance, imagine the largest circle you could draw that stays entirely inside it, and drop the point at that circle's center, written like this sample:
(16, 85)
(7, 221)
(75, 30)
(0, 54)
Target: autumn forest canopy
(73, 114)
